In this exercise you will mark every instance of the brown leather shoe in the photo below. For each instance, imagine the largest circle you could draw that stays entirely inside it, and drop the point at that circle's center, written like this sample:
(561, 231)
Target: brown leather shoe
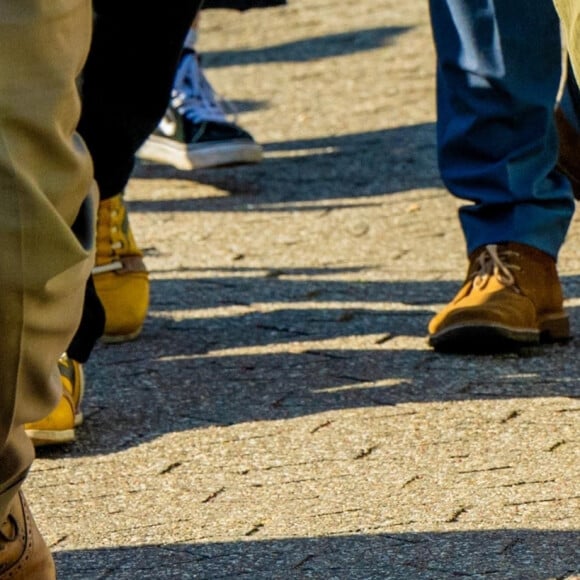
(569, 151)
(23, 553)
(511, 298)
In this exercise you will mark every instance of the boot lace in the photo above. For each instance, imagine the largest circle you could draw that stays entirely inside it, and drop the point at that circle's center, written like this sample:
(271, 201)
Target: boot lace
(492, 263)
(194, 97)
(114, 237)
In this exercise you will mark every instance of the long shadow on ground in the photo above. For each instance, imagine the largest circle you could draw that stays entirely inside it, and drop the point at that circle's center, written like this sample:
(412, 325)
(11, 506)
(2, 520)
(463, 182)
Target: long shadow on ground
(354, 166)
(282, 349)
(308, 49)
(493, 555)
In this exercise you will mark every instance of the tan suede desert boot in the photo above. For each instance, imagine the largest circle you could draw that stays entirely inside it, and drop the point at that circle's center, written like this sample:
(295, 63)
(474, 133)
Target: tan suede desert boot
(511, 298)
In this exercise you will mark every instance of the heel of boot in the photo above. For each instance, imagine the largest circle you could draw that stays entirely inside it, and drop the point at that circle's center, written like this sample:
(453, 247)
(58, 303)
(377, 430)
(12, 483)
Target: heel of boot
(555, 328)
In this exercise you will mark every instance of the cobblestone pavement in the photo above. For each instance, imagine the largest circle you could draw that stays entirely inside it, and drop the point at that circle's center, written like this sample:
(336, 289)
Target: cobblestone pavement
(281, 415)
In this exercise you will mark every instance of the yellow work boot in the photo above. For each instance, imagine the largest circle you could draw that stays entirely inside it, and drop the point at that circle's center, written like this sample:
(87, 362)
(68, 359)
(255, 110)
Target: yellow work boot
(23, 553)
(59, 426)
(511, 298)
(119, 274)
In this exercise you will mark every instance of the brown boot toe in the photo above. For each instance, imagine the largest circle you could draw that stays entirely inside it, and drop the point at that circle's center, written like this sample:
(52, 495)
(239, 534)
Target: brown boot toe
(23, 553)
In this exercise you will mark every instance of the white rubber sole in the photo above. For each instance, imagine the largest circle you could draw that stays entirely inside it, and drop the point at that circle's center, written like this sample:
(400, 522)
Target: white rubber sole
(160, 150)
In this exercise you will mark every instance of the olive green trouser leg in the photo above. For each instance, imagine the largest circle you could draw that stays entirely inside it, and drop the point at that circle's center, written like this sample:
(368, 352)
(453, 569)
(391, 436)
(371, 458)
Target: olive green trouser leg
(46, 214)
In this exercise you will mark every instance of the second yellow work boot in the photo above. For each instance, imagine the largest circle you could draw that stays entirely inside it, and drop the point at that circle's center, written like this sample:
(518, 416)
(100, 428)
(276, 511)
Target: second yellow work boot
(120, 276)
(59, 426)
(511, 298)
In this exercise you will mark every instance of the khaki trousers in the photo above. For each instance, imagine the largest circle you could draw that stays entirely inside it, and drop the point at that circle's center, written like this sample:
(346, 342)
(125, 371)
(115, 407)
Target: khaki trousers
(47, 209)
(569, 12)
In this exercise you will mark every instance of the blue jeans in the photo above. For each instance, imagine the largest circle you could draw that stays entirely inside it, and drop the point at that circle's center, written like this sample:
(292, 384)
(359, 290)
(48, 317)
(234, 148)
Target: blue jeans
(498, 72)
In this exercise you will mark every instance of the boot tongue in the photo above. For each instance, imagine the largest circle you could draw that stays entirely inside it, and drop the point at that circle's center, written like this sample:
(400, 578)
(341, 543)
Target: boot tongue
(494, 262)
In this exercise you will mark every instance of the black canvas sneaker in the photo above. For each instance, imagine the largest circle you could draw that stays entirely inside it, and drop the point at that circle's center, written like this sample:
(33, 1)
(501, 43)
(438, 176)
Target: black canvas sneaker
(195, 132)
